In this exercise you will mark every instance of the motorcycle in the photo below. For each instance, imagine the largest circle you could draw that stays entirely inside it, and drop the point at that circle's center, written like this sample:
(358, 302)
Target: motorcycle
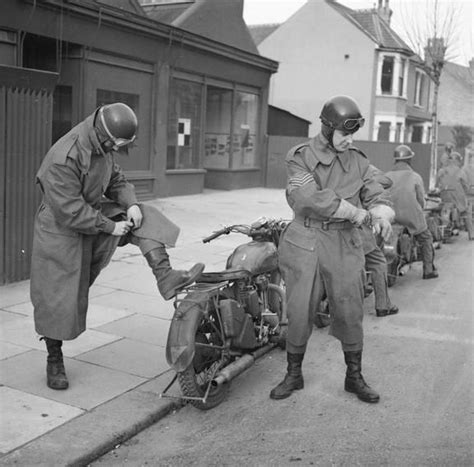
(226, 320)
(442, 218)
(400, 251)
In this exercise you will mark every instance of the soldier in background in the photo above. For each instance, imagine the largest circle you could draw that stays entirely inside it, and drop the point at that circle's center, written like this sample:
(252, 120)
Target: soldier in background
(408, 197)
(375, 261)
(454, 186)
(443, 160)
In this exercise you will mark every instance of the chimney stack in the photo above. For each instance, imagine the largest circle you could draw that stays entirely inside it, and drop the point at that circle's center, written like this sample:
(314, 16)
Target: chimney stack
(384, 11)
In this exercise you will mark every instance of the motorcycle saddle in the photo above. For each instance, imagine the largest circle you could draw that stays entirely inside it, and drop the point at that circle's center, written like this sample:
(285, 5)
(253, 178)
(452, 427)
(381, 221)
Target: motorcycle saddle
(221, 276)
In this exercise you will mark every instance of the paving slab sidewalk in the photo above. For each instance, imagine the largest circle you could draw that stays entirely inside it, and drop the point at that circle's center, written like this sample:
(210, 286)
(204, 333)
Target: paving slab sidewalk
(117, 368)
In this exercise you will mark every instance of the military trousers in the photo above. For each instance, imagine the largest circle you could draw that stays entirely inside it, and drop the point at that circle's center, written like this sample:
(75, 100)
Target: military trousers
(425, 240)
(376, 264)
(314, 262)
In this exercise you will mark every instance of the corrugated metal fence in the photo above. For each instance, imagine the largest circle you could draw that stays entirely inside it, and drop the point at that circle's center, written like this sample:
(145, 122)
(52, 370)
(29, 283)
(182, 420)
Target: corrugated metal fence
(379, 153)
(25, 136)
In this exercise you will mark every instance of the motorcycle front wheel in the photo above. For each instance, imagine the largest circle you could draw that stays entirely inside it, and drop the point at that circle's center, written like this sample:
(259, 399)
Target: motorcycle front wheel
(195, 380)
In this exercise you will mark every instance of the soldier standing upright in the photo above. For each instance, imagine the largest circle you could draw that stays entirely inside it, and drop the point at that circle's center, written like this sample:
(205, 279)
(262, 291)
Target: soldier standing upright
(331, 194)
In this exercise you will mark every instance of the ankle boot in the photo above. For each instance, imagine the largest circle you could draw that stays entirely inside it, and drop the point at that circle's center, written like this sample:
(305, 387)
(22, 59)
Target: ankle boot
(55, 372)
(293, 379)
(169, 280)
(354, 381)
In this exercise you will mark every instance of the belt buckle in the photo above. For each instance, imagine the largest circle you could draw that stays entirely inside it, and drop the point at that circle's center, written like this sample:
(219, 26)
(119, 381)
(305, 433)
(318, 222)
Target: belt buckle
(325, 225)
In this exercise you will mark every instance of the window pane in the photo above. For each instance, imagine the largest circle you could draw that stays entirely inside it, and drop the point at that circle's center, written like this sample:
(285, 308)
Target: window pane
(184, 125)
(398, 132)
(62, 111)
(105, 96)
(417, 134)
(245, 130)
(384, 131)
(218, 135)
(401, 77)
(387, 75)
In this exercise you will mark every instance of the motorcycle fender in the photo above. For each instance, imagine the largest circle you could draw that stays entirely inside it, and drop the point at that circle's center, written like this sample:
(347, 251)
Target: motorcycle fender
(180, 346)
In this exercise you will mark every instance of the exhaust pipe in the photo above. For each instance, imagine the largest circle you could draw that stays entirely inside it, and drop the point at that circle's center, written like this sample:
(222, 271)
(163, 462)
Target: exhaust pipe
(235, 368)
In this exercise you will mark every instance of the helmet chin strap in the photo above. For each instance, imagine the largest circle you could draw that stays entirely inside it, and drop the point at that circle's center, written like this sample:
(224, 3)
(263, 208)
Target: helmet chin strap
(328, 133)
(104, 141)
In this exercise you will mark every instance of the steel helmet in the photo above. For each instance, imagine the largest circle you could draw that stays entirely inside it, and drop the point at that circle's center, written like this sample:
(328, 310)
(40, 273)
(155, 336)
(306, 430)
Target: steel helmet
(448, 147)
(119, 122)
(403, 153)
(342, 113)
(456, 157)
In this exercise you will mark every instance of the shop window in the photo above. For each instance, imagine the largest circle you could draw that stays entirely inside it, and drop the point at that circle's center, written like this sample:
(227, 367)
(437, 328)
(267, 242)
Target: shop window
(184, 125)
(245, 130)
(417, 134)
(40, 53)
(105, 96)
(62, 111)
(387, 75)
(384, 131)
(218, 128)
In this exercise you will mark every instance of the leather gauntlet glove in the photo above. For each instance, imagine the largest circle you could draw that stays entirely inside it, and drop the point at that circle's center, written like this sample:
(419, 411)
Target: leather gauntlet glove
(349, 212)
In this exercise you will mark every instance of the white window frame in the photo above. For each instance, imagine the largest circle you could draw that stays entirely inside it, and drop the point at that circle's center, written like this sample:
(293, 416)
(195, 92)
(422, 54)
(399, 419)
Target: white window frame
(395, 75)
(420, 77)
(393, 119)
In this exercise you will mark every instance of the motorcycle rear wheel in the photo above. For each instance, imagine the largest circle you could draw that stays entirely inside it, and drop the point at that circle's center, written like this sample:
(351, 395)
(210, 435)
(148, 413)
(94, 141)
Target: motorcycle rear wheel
(196, 378)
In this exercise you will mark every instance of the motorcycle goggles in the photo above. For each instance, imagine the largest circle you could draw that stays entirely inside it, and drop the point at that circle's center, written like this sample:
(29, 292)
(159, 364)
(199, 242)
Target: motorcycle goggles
(117, 142)
(353, 124)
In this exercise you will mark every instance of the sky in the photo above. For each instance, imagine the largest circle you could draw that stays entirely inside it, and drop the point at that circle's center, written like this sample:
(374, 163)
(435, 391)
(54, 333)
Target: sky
(462, 40)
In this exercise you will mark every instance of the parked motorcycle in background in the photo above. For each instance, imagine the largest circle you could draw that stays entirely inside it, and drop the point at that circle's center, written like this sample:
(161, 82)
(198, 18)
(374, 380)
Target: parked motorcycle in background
(442, 218)
(228, 319)
(402, 249)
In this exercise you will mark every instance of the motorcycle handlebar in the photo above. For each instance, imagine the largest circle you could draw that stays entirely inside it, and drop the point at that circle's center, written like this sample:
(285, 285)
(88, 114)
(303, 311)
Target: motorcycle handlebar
(225, 230)
(245, 229)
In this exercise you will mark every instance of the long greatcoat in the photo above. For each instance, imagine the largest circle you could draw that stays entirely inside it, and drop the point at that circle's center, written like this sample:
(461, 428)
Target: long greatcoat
(408, 197)
(453, 185)
(313, 259)
(72, 235)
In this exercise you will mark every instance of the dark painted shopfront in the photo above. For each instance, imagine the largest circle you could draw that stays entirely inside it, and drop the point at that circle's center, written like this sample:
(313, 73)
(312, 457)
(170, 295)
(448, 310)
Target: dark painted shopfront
(201, 102)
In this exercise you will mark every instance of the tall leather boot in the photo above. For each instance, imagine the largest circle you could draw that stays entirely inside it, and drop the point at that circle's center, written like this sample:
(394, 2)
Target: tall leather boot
(293, 379)
(354, 381)
(55, 372)
(169, 280)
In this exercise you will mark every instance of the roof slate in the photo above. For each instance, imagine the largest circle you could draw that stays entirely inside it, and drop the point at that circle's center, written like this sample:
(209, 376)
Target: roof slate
(373, 26)
(166, 13)
(128, 5)
(259, 32)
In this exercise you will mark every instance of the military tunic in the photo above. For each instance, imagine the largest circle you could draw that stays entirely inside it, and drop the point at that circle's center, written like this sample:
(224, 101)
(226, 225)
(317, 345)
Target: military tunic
(408, 196)
(318, 257)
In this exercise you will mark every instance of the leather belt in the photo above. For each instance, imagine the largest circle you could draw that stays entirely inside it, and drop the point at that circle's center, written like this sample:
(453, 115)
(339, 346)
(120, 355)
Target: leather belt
(310, 222)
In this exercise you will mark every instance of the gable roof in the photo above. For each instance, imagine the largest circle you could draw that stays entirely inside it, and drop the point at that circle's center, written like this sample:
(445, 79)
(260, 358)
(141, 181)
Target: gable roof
(259, 32)
(128, 5)
(370, 23)
(167, 12)
(218, 20)
(462, 74)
